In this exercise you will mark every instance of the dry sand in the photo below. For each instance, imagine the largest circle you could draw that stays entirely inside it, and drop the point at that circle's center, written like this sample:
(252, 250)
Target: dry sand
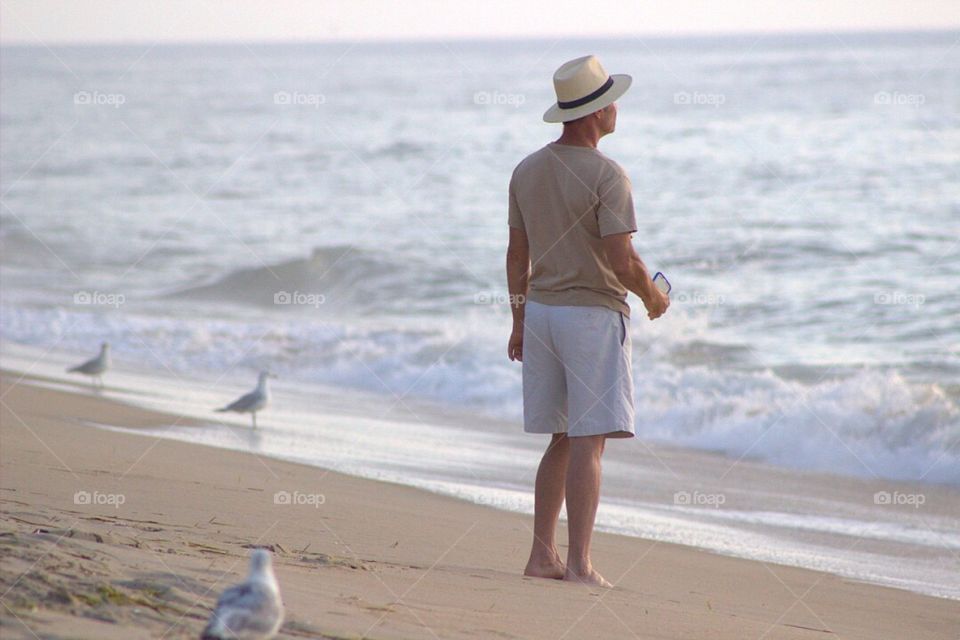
(374, 560)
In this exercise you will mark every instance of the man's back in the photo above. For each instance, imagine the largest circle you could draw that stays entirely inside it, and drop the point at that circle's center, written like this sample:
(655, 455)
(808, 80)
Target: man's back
(566, 198)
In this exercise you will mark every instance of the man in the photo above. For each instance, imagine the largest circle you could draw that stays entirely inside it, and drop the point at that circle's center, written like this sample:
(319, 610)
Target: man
(570, 264)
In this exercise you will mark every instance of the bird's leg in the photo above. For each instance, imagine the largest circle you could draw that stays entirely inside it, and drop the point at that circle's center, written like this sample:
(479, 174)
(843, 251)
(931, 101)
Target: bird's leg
(254, 414)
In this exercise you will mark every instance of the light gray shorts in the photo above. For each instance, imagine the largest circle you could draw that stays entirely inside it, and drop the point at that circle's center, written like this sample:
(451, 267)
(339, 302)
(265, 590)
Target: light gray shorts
(576, 371)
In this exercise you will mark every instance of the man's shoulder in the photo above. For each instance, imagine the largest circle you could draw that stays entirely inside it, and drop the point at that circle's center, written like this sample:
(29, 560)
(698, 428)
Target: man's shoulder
(611, 164)
(531, 159)
(546, 156)
(549, 153)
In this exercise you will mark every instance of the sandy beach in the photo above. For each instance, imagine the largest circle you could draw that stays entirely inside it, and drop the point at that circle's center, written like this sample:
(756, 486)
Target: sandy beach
(112, 535)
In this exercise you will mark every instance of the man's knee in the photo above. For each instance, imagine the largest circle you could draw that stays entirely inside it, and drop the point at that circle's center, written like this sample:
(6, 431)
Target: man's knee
(588, 444)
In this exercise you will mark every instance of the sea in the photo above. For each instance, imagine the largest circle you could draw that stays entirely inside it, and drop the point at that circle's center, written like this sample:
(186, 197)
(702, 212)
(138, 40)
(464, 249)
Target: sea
(336, 213)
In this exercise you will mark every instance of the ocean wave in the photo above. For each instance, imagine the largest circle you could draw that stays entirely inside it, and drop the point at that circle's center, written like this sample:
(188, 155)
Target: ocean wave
(336, 279)
(398, 150)
(869, 422)
(873, 423)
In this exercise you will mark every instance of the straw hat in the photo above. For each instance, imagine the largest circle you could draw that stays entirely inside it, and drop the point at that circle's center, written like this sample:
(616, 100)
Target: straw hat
(583, 86)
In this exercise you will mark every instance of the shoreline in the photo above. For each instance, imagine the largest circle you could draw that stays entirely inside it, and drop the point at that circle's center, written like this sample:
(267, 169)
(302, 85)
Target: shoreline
(786, 517)
(364, 561)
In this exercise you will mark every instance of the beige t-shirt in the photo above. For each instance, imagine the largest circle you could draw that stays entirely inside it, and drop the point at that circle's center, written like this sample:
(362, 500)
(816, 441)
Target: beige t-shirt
(567, 198)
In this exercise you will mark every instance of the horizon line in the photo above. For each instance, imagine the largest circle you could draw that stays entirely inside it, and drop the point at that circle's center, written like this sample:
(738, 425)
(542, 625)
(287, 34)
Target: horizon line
(718, 35)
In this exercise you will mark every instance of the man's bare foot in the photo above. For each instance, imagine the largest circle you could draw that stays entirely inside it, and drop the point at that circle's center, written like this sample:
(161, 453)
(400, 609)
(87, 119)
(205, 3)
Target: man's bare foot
(553, 571)
(545, 567)
(590, 578)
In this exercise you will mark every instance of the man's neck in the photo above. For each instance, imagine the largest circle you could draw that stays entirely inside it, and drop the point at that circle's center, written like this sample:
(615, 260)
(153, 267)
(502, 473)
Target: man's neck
(579, 138)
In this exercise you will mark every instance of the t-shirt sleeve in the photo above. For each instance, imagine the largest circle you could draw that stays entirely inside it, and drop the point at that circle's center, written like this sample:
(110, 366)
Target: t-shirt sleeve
(615, 213)
(514, 219)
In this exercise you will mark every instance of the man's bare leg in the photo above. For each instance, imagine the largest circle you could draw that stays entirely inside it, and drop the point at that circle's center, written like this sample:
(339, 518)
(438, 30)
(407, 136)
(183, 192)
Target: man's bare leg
(583, 496)
(545, 560)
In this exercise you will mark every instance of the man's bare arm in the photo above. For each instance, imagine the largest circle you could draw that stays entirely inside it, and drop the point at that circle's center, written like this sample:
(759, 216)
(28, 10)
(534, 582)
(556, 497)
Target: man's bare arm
(518, 279)
(633, 273)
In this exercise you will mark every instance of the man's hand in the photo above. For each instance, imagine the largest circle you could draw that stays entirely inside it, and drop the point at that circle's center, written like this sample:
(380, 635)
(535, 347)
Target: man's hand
(657, 306)
(515, 345)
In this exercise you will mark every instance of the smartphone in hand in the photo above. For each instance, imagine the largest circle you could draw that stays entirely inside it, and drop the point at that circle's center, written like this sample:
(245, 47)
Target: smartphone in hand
(660, 282)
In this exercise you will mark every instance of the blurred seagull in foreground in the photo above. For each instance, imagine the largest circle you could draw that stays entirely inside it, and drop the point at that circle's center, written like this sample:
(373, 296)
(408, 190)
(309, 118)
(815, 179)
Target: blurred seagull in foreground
(254, 401)
(251, 610)
(96, 367)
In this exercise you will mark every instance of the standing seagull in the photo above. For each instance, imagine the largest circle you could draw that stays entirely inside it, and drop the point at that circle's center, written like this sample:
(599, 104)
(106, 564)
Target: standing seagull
(96, 367)
(253, 401)
(251, 610)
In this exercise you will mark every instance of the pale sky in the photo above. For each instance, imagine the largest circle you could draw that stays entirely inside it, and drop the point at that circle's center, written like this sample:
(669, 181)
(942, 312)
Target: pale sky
(67, 21)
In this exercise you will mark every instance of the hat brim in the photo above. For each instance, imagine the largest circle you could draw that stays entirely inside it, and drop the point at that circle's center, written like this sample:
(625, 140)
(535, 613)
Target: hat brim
(621, 82)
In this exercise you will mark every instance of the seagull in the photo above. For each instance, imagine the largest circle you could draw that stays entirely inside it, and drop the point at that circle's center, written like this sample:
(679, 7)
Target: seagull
(96, 367)
(253, 401)
(251, 610)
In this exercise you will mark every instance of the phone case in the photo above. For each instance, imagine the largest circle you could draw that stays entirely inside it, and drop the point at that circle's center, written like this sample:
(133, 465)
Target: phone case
(661, 282)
